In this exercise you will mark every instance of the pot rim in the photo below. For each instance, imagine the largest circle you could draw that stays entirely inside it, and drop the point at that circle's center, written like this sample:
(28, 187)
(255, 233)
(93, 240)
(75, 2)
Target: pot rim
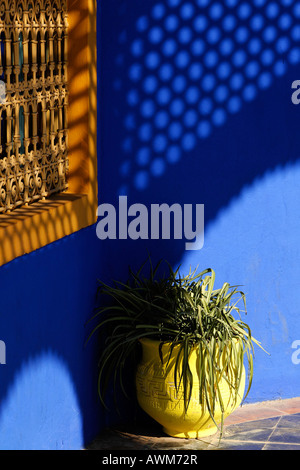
(155, 342)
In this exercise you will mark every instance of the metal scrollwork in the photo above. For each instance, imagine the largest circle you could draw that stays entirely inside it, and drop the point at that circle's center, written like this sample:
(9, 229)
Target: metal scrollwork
(33, 100)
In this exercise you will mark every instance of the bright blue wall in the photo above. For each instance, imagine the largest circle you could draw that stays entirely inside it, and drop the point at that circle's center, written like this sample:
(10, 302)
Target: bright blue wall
(194, 107)
(197, 108)
(48, 385)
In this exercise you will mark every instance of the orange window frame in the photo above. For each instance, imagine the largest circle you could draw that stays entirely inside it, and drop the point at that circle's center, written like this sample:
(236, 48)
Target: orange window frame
(31, 227)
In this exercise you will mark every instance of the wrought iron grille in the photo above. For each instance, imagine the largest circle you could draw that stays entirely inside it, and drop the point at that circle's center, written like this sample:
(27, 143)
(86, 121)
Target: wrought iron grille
(33, 100)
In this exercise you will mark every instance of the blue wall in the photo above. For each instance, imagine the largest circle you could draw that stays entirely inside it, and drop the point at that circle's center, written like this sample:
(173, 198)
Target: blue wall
(194, 107)
(47, 393)
(197, 108)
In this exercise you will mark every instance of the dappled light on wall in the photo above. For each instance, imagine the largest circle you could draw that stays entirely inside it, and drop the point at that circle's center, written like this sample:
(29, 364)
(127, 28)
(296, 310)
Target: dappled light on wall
(35, 414)
(189, 67)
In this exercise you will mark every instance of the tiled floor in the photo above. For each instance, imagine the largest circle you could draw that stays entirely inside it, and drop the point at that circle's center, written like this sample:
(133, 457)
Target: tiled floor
(271, 425)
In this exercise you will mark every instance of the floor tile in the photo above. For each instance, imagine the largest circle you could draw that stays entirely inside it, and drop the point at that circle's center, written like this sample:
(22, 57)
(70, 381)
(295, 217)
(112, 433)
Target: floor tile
(252, 413)
(238, 445)
(259, 423)
(253, 431)
(288, 406)
(263, 410)
(291, 421)
(265, 426)
(288, 435)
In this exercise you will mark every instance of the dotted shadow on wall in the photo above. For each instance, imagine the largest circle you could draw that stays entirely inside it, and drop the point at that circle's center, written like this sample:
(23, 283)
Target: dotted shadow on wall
(181, 81)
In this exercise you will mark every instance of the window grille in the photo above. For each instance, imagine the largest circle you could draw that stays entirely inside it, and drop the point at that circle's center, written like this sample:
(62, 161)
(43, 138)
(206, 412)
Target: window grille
(33, 100)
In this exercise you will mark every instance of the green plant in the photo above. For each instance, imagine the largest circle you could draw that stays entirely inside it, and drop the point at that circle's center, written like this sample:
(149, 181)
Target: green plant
(181, 310)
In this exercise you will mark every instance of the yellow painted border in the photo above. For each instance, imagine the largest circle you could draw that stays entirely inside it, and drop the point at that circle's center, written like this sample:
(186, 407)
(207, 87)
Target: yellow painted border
(29, 228)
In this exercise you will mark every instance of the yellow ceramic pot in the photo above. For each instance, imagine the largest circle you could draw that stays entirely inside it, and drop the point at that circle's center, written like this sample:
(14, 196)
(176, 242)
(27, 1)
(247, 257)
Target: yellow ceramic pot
(157, 395)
